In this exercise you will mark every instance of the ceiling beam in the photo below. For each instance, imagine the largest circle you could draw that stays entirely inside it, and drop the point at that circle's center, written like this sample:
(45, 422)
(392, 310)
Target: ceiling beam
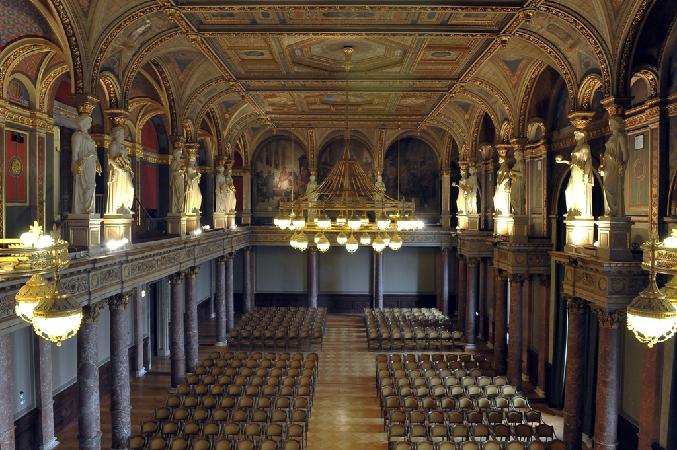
(329, 30)
(463, 5)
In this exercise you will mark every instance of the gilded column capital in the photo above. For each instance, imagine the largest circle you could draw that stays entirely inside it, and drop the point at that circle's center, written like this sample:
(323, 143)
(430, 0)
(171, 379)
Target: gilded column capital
(609, 319)
(581, 120)
(575, 305)
(119, 301)
(192, 271)
(176, 278)
(85, 103)
(90, 313)
(616, 106)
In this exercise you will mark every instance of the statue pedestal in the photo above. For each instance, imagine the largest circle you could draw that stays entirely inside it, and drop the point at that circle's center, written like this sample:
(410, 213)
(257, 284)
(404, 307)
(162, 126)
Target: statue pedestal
(117, 226)
(580, 234)
(176, 224)
(518, 228)
(502, 225)
(192, 222)
(84, 230)
(230, 221)
(614, 238)
(462, 222)
(219, 221)
(473, 222)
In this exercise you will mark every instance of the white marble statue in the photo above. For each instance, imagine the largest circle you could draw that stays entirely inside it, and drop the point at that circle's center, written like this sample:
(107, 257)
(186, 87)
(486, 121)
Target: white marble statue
(518, 185)
(221, 189)
(471, 190)
(502, 194)
(615, 161)
(192, 195)
(578, 193)
(177, 181)
(462, 189)
(120, 194)
(84, 165)
(231, 200)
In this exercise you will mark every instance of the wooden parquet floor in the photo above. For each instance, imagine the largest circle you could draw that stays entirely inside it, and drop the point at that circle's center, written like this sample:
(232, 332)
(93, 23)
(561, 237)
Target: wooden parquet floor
(346, 411)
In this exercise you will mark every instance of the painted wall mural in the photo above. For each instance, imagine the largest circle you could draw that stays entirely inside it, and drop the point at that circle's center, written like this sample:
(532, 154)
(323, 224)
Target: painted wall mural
(278, 168)
(419, 178)
(333, 152)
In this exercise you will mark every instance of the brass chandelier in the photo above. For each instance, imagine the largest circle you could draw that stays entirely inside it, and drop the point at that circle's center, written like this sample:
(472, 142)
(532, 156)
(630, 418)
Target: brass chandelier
(42, 303)
(348, 204)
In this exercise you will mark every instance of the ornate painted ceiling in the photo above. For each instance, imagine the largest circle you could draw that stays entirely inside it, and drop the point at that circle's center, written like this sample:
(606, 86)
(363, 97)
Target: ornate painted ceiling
(437, 67)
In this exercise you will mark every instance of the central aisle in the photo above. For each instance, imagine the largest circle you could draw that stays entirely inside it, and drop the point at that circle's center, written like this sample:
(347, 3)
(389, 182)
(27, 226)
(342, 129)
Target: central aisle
(346, 411)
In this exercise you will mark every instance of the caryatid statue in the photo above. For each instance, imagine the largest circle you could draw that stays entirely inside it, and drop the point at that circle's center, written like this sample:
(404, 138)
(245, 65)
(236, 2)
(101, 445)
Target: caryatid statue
(462, 189)
(192, 195)
(518, 184)
(471, 190)
(615, 161)
(578, 193)
(221, 188)
(120, 194)
(84, 165)
(502, 194)
(231, 200)
(177, 180)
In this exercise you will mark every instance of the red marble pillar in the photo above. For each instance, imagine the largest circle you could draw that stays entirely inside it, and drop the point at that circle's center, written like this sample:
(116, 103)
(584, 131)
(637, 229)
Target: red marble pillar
(573, 389)
(526, 324)
(461, 294)
(608, 380)
(491, 300)
(120, 403)
(176, 332)
(230, 301)
(471, 304)
(543, 331)
(139, 369)
(89, 414)
(482, 299)
(312, 277)
(248, 294)
(44, 400)
(6, 393)
(220, 303)
(500, 323)
(378, 280)
(650, 396)
(444, 281)
(515, 330)
(192, 344)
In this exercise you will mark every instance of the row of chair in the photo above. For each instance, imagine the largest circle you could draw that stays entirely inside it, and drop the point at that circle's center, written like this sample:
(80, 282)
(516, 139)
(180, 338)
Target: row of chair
(209, 443)
(474, 445)
(280, 328)
(462, 432)
(409, 329)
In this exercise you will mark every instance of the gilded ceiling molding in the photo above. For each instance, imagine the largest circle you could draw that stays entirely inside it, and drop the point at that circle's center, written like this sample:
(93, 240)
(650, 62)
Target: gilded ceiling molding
(148, 113)
(651, 79)
(16, 52)
(589, 86)
(111, 88)
(197, 93)
(628, 38)
(484, 106)
(312, 150)
(169, 93)
(492, 89)
(111, 33)
(589, 32)
(236, 129)
(139, 59)
(188, 130)
(46, 85)
(214, 118)
(562, 65)
(527, 94)
(72, 32)
(22, 116)
(506, 132)
(207, 105)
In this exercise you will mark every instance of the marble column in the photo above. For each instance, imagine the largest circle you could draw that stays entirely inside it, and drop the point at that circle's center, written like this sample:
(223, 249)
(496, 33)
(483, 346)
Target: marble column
(89, 415)
(543, 331)
(573, 389)
(247, 300)
(44, 400)
(138, 333)
(6, 393)
(471, 303)
(462, 296)
(500, 323)
(220, 305)
(650, 396)
(230, 308)
(176, 333)
(192, 344)
(164, 318)
(378, 280)
(212, 292)
(526, 324)
(515, 331)
(607, 405)
(482, 299)
(491, 300)
(312, 277)
(444, 281)
(120, 404)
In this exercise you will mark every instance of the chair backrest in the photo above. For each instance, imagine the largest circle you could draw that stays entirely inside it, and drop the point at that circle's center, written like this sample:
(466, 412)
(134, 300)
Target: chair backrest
(245, 444)
(291, 444)
(136, 442)
(179, 443)
(491, 445)
(470, 445)
(557, 445)
(515, 445)
(157, 443)
(201, 444)
(536, 445)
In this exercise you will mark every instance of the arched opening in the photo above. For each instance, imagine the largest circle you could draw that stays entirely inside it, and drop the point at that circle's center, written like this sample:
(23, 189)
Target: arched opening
(332, 152)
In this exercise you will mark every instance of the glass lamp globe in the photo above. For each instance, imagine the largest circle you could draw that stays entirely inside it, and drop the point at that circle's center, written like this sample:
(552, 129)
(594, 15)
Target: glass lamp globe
(354, 223)
(341, 239)
(302, 242)
(395, 242)
(299, 222)
(30, 295)
(283, 222)
(365, 239)
(57, 317)
(650, 316)
(341, 219)
(386, 239)
(323, 243)
(378, 245)
(351, 244)
(324, 222)
(383, 222)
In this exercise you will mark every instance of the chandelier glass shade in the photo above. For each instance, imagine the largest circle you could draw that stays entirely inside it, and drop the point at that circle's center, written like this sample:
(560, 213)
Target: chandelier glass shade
(43, 304)
(652, 315)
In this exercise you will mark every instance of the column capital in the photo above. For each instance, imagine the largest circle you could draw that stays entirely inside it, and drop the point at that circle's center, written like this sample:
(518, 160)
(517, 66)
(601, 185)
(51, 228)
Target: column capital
(543, 277)
(192, 271)
(575, 305)
(581, 120)
(221, 259)
(176, 278)
(445, 251)
(609, 319)
(616, 106)
(502, 274)
(472, 260)
(90, 313)
(229, 256)
(119, 301)
(85, 103)
(518, 278)
(312, 250)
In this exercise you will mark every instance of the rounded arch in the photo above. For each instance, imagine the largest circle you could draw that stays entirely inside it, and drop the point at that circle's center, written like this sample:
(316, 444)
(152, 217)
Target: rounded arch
(356, 135)
(20, 91)
(643, 85)
(17, 51)
(586, 91)
(111, 89)
(332, 151)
